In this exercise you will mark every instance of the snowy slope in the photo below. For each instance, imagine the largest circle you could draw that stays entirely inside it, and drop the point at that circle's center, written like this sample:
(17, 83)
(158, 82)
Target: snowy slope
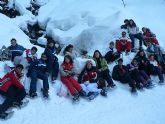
(90, 25)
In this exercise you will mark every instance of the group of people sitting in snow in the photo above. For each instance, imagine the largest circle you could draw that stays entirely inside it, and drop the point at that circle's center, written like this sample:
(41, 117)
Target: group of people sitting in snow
(95, 76)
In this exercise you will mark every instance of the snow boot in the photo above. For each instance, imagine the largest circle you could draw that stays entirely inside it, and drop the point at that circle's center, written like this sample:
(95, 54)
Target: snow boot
(33, 94)
(6, 115)
(45, 93)
(75, 97)
(82, 93)
(103, 92)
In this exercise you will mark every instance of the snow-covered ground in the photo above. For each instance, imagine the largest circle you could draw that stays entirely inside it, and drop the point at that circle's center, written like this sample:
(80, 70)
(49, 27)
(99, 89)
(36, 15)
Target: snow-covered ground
(89, 25)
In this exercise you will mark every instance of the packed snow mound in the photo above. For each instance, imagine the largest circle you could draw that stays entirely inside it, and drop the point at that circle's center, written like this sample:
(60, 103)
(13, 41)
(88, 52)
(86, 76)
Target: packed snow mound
(10, 30)
(80, 21)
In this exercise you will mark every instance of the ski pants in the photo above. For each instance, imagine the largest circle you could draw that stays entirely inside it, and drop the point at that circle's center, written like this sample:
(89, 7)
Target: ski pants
(13, 94)
(34, 76)
(72, 85)
(90, 87)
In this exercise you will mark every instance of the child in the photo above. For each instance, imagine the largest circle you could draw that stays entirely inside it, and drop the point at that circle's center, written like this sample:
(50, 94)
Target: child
(67, 73)
(112, 53)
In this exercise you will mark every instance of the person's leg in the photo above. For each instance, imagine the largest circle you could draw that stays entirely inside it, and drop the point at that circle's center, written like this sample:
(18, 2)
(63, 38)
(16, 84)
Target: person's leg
(132, 40)
(44, 77)
(140, 38)
(10, 98)
(93, 87)
(158, 71)
(74, 83)
(33, 83)
(107, 77)
(84, 87)
(20, 95)
(55, 70)
(69, 85)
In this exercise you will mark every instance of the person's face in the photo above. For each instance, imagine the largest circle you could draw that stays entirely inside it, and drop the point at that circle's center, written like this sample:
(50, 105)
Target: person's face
(67, 60)
(13, 42)
(89, 66)
(51, 44)
(19, 71)
(134, 62)
(144, 30)
(142, 53)
(33, 51)
(131, 22)
(97, 55)
(71, 49)
(149, 44)
(123, 34)
(152, 58)
(120, 63)
(111, 45)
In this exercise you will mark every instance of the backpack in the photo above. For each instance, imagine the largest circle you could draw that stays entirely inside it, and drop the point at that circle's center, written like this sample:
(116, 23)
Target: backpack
(5, 54)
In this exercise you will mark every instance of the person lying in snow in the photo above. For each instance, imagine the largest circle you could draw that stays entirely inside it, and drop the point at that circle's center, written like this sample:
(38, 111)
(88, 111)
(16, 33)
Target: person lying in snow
(102, 68)
(12, 89)
(89, 81)
(120, 73)
(148, 36)
(38, 70)
(112, 53)
(123, 44)
(67, 73)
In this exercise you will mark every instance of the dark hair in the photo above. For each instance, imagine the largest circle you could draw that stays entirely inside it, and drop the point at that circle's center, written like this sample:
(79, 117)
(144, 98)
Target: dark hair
(34, 48)
(84, 52)
(50, 41)
(13, 39)
(69, 57)
(151, 55)
(19, 66)
(67, 48)
(120, 60)
(126, 20)
(138, 54)
(98, 52)
(132, 25)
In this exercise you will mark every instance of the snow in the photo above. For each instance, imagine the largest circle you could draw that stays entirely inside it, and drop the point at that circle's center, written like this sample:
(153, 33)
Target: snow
(89, 25)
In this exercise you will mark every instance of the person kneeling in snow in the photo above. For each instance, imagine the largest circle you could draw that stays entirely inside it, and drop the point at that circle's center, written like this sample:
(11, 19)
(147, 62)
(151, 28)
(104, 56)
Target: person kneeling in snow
(67, 73)
(12, 89)
(38, 69)
(120, 73)
(88, 80)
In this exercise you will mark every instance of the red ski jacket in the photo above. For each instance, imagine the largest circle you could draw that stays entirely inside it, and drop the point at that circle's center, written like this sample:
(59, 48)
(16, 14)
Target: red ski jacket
(10, 79)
